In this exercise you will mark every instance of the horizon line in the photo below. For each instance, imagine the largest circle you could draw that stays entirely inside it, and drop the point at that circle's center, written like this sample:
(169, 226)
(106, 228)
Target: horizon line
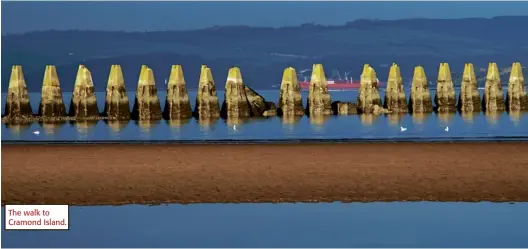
(262, 27)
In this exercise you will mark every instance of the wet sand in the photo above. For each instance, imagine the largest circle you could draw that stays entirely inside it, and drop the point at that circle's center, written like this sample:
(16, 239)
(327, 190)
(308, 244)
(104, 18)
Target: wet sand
(152, 174)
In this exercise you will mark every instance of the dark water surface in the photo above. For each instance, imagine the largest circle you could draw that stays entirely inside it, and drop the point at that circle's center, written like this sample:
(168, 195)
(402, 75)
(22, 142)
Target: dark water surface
(418, 224)
(334, 127)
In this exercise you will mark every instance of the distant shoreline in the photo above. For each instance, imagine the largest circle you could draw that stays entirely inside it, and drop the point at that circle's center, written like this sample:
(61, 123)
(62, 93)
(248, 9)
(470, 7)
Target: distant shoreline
(115, 174)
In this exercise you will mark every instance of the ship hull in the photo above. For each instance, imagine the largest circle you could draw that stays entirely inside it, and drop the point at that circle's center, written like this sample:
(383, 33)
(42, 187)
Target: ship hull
(339, 86)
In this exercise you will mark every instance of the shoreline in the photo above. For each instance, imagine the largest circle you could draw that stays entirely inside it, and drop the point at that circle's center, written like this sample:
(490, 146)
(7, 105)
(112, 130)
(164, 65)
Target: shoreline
(115, 174)
(289, 141)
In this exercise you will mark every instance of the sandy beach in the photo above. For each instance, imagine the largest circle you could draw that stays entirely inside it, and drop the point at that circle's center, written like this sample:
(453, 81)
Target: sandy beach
(153, 174)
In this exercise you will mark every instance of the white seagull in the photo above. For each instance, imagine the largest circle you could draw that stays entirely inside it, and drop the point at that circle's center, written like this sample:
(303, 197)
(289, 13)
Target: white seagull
(447, 128)
(36, 132)
(403, 128)
(234, 127)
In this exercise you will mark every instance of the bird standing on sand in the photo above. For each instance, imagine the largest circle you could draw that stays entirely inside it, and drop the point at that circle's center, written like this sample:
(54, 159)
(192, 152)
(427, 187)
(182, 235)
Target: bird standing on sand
(403, 128)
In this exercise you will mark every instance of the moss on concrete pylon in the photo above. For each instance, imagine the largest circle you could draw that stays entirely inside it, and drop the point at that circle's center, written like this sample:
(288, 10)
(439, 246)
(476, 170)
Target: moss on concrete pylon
(516, 99)
(445, 98)
(368, 95)
(344, 108)
(17, 108)
(319, 101)
(493, 100)
(395, 100)
(469, 98)
(207, 106)
(83, 103)
(117, 105)
(177, 104)
(420, 99)
(51, 106)
(242, 102)
(290, 99)
(258, 105)
(146, 105)
(236, 103)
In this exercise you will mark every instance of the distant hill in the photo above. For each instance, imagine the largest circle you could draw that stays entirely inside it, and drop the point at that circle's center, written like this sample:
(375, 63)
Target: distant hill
(263, 53)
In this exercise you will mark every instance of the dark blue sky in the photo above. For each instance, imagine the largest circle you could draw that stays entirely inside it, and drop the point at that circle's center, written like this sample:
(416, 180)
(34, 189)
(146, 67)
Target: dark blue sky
(138, 16)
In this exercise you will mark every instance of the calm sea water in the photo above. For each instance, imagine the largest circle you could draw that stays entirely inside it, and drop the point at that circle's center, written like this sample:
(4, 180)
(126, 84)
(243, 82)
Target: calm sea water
(421, 224)
(334, 127)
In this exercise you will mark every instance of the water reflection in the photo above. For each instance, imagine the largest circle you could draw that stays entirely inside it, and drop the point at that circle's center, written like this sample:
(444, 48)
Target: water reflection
(317, 122)
(367, 119)
(446, 118)
(116, 125)
(289, 123)
(176, 126)
(236, 121)
(207, 123)
(493, 117)
(469, 117)
(420, 118)
(207, 126)
(83, 127)
(178, 123)
(235, 126)
(51, 128)
(419, 121)
(516, 116)
(290, 120)
(395, 118)
(16, 129)
(148, 125)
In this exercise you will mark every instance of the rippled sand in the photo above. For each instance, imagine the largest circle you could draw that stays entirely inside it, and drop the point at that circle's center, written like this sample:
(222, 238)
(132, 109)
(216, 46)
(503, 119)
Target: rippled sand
(121, 174)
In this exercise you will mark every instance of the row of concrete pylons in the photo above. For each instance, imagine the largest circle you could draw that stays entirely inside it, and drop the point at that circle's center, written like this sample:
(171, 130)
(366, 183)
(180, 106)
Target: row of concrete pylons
(242, 102)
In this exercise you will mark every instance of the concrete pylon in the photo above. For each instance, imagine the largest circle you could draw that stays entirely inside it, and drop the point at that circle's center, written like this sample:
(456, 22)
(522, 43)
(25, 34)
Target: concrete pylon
(51, 103)
(445, 98)
(368, 95)
(146, 105)
(235, 102)
(420, 100)
(207, 106)
(493, 100)
(17, 100)
(319, 100)
(469, 98)
(395, 100)
(290, 99)
(83, 103)
(177, 104)
(117, 105)
(516, 99)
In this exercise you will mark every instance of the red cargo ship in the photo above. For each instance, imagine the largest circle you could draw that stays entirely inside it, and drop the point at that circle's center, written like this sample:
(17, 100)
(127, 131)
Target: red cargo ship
(334, 83)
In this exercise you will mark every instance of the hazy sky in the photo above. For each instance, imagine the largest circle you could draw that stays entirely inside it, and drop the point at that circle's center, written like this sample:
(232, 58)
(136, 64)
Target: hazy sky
(20, 17)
